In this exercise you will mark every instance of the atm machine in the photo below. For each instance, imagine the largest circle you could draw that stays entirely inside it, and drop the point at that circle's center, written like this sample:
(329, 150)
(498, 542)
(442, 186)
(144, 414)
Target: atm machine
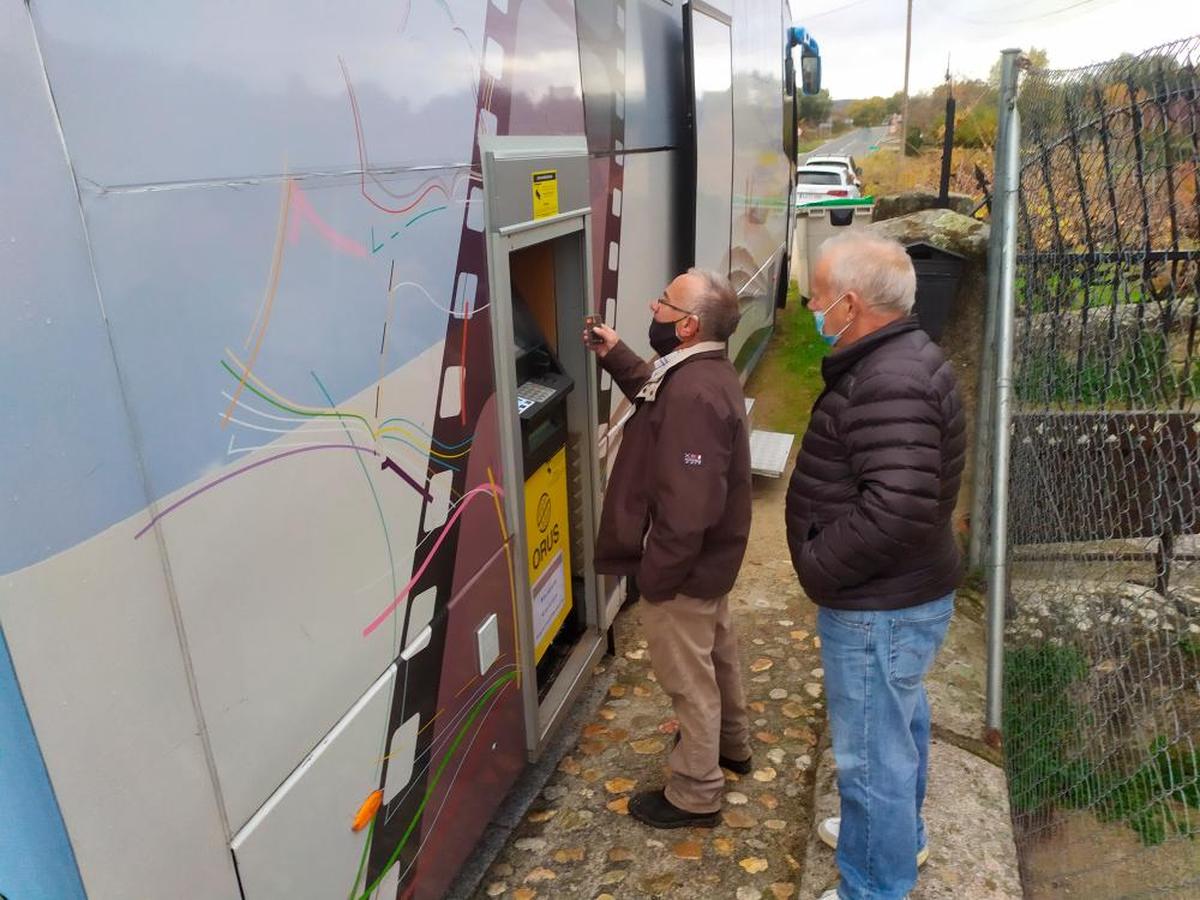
(538, 226)
(543, 388)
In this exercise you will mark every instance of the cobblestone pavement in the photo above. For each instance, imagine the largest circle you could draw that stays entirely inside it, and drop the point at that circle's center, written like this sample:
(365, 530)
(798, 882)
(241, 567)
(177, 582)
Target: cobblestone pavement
(577, 839)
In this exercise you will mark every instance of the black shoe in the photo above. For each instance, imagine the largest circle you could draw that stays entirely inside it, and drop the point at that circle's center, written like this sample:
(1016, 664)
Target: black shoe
(739, 766)
(654, 809)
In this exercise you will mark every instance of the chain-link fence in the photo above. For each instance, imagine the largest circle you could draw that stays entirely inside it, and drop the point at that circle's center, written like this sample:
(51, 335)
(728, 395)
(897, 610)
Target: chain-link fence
(1101, 679)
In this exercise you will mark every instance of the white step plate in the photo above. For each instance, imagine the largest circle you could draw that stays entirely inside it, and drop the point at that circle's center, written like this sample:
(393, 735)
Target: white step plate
(769, 451)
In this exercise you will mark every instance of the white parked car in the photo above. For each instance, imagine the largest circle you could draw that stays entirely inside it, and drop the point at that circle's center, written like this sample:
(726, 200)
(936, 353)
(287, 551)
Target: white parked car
(816, 183)
(842, 162)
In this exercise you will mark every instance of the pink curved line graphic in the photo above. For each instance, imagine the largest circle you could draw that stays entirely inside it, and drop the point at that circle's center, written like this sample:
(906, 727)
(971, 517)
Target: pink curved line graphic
(305, 210)
(462, 506)
(262, 462)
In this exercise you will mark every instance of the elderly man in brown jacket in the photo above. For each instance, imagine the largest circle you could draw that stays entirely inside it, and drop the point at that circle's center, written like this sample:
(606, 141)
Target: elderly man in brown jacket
(677, 517)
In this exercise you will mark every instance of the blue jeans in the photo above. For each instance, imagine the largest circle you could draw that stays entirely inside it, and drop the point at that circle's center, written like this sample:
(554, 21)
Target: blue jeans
(875, 665)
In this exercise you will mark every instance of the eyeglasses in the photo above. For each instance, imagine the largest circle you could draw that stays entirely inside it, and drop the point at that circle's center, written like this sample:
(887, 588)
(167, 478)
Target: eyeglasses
(662, 302)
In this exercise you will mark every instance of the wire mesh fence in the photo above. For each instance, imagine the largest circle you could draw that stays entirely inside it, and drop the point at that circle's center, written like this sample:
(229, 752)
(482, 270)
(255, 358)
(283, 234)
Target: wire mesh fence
(1102, 640)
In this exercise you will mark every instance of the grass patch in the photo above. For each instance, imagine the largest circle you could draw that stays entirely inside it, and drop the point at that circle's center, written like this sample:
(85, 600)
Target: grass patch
(811, 144)
(1142, 375)
(1043, 722)
(1054, 291)
(888, 172)
(788, 380)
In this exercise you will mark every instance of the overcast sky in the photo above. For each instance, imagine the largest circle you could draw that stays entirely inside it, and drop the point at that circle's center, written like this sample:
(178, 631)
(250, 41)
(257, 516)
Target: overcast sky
(862, 41)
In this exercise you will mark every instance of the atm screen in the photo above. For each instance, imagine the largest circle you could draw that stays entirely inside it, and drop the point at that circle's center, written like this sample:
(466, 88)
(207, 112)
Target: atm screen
(527, 337)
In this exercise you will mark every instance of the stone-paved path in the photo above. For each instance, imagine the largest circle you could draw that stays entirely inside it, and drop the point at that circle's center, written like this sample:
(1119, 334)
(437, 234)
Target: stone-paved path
(577, 839)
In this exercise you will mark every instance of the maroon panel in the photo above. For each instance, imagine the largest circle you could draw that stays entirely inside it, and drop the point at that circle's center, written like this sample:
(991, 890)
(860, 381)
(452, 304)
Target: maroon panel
(468, 543)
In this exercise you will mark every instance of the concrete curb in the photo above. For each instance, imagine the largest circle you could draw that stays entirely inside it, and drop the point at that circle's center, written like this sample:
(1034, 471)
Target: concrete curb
(972, 853)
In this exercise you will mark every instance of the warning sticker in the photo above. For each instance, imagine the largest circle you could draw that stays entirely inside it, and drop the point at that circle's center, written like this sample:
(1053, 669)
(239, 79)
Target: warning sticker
(545, 193)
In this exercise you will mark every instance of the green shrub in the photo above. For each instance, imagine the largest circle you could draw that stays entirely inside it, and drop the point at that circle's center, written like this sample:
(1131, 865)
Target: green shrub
(1043, 723)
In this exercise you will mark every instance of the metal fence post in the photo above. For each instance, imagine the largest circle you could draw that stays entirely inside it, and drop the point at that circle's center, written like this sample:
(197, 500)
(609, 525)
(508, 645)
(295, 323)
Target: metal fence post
(986, 385)
(1008, 181)
(1093, 576)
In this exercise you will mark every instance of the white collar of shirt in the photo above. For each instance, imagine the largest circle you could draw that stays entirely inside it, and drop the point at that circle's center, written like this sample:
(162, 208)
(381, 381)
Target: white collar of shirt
(664, 364)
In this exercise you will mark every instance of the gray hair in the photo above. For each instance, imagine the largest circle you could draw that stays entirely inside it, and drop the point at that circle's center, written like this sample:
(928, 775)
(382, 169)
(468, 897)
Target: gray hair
(877, 269)
(715, 305)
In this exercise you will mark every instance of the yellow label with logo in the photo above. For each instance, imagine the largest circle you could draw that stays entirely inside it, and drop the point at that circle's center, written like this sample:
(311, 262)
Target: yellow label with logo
(548, 544)
(545, 193)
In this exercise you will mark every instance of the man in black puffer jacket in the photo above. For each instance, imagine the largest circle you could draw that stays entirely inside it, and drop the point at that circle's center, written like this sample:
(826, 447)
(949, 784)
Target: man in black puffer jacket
(869, 528)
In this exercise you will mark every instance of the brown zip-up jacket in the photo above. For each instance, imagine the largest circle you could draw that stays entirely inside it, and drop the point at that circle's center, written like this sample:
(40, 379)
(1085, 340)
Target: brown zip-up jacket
(677, 506)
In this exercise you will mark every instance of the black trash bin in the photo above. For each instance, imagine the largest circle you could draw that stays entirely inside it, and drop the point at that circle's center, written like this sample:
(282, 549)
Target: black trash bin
(938, 272)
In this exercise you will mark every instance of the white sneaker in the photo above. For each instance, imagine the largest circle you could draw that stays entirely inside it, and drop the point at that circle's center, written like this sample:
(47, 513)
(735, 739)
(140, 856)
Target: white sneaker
(828, 830)
(832, 894)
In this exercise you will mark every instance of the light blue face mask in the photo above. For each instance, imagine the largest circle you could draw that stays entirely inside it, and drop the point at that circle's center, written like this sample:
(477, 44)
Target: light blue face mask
(819, 320)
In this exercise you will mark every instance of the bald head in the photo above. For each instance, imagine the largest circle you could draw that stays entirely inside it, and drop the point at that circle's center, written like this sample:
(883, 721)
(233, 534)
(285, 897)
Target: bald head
(877, 270)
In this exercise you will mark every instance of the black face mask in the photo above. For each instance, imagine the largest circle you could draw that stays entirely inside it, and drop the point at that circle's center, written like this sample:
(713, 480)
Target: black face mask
(663, 337)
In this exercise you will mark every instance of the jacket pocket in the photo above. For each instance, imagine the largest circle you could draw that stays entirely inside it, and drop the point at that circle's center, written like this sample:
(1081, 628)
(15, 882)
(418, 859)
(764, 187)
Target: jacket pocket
(914, 644)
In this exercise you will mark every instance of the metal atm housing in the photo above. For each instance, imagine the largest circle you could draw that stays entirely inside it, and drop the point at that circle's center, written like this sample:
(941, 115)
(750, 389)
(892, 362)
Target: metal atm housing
(539, 260)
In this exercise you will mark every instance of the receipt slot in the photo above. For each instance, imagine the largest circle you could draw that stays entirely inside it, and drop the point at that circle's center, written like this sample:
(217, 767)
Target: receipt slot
(538, 242)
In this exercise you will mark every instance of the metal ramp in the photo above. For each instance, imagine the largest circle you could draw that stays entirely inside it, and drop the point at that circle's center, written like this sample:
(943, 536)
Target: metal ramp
(769, 450)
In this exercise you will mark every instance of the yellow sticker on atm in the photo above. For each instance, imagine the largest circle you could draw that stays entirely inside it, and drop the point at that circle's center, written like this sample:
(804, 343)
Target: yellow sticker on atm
(545, 193)
(548, 543)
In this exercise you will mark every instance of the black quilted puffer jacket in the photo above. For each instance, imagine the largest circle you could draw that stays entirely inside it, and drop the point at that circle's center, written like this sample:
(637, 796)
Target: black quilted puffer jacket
(870, 501)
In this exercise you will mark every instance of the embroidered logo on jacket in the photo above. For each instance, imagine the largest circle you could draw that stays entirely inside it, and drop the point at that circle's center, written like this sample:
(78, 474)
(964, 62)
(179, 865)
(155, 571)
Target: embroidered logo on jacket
(692, 459)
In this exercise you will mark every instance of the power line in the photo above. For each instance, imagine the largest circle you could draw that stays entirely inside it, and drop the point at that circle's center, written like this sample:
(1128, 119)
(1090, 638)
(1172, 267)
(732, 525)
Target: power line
(808, 17)
(992, 23)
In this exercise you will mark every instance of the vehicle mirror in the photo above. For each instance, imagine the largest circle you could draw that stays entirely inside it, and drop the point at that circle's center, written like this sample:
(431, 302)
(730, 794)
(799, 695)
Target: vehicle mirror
(810, 73)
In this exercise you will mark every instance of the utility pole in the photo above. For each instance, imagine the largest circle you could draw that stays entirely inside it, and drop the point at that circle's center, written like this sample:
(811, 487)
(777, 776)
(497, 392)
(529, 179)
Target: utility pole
(907, 55)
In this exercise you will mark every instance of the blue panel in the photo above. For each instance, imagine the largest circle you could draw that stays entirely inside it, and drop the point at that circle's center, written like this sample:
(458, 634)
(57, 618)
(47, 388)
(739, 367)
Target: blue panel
(36, 862)
(68, 463)
(153, 93)
(196, 294)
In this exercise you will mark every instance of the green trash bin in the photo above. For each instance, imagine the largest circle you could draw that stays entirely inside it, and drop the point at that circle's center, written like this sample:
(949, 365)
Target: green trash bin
(817, 222)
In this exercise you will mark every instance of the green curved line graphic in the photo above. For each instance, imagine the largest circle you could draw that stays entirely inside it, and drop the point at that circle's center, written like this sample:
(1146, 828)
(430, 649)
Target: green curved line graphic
(479, 704)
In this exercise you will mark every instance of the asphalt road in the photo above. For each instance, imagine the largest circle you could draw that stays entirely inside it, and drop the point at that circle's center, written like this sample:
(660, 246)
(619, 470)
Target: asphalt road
(856, 143)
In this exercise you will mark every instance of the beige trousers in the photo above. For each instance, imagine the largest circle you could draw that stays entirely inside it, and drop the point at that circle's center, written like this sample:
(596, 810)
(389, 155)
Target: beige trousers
(694, 654)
